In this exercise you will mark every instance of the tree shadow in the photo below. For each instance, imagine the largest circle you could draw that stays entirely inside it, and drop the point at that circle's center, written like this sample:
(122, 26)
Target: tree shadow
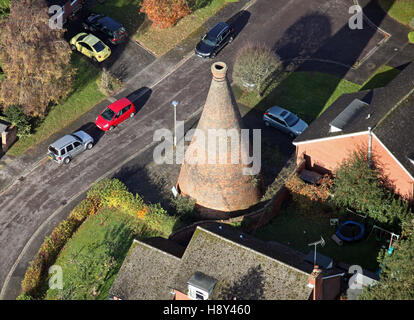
(198, 4)
(247, 287)
(239, 21)
(309, 45)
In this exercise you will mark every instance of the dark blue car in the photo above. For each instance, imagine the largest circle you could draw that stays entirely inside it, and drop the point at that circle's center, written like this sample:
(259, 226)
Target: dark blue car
(106, 28)
(214, 40)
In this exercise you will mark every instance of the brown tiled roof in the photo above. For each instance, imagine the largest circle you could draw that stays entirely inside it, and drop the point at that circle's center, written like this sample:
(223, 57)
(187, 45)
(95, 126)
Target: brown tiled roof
(241, 272)
(246, 268)
(145, 273)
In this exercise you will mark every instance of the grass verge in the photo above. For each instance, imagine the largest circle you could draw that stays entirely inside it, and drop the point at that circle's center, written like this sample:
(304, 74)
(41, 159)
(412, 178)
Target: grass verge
(85, 95)
(90, 263)
(308, 94)
(400, 10)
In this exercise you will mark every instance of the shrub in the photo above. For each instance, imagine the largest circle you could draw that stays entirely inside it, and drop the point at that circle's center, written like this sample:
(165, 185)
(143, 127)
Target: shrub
(256, 65)
(107, 84)
(411, 36)
(364, 188)
(16, 116)
(314, 192)
(165, 13)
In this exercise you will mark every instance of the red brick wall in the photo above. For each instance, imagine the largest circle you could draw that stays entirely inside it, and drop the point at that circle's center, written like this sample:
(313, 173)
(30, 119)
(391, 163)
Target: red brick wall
(326, 155)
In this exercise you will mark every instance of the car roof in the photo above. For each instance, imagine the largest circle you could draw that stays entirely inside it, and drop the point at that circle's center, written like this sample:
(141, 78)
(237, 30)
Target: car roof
(60, 143)
(278, 111)
(215, 31)
(91, 39)
(110, 23)
(119, 104)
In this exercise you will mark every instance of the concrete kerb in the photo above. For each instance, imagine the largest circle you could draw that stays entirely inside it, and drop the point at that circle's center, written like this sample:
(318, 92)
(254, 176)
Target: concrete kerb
(189, 121)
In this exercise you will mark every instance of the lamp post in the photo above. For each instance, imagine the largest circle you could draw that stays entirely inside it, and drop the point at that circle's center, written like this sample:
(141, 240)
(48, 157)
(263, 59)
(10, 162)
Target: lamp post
(175, 103)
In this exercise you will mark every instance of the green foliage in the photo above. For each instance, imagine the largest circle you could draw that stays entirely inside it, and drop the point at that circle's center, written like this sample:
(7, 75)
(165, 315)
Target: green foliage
(24, 296)
(183, 205)
(365, 189)
(16, 116)
(411, 36)
(397, 276)
(256, 65)
(4, 7)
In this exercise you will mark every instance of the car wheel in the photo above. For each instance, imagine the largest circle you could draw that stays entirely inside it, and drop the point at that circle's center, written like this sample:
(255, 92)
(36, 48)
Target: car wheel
(231, 39)
(85, 26)
(94, 60)
(267, 124)
(111, 128)
(66, 160)
(89, 146)
(213, 55)
(73, 47)
(292, 135)
(132, 115)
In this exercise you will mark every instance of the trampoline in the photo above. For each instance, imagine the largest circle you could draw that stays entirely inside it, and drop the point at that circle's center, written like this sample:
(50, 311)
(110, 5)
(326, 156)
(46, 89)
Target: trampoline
(350, 231)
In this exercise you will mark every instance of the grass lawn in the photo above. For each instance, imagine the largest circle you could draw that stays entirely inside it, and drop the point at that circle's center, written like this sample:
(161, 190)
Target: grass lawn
(400, 10)
(296, 229)
(92, 257)
(85, 95)
(308, 94)
(158, 41)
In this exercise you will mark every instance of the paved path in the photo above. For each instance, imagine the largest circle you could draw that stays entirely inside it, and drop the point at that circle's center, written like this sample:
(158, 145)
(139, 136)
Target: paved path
(46, 195)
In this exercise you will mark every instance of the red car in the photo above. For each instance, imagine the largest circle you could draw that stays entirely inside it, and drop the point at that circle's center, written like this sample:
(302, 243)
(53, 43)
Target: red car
(115, 113)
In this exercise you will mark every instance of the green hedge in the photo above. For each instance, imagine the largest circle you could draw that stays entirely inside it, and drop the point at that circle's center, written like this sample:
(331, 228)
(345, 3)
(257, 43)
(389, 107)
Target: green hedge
(411, 36)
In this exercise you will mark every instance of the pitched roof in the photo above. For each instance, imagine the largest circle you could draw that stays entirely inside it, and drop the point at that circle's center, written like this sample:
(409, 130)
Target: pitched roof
(396, 132)
(146, 272)
(246, 268)
(381, 102)
(241, 271)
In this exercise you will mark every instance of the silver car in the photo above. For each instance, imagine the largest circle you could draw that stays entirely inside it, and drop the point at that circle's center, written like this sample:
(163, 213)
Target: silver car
(67, 147)
(285, 121)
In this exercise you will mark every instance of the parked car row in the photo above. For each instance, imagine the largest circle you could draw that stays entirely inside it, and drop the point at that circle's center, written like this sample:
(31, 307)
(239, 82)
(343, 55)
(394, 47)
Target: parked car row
(66, 148)
(99, 27)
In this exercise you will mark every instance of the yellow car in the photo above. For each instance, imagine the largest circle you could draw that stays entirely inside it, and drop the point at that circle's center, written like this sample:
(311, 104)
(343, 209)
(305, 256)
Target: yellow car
(90, 46)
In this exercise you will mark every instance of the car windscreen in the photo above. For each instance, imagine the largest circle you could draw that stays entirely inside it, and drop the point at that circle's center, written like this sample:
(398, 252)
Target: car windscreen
(99, 46)
(291, 120)
(53, 150)
(209, 40)
(77, 137)
(108, 114)
(81, 37)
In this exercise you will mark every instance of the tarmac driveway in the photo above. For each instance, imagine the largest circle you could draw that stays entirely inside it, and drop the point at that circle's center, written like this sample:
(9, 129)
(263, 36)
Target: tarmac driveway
(50, 187)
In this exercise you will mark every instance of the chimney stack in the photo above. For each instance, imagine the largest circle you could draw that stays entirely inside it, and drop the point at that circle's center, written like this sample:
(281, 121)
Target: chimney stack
(316, 281)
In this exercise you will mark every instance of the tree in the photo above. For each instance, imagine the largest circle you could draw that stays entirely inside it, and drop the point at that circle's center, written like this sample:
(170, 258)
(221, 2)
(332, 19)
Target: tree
(364, 188)
(397, 276)
(256, 65)
(35, 59)
(165, 13)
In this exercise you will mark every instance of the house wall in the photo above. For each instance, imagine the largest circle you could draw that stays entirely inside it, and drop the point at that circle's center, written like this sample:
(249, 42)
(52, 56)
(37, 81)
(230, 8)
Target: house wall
(326, 155)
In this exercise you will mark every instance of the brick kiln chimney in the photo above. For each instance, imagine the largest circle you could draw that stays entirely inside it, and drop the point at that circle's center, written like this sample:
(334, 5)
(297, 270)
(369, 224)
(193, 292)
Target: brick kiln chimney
(316, 281)
(218, 187)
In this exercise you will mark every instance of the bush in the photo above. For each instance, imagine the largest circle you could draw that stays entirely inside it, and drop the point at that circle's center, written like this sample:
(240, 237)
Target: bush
(15, 115)
(364, 188)
(107, 84)
(256, 65)
(165, 13)
(411, 36)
